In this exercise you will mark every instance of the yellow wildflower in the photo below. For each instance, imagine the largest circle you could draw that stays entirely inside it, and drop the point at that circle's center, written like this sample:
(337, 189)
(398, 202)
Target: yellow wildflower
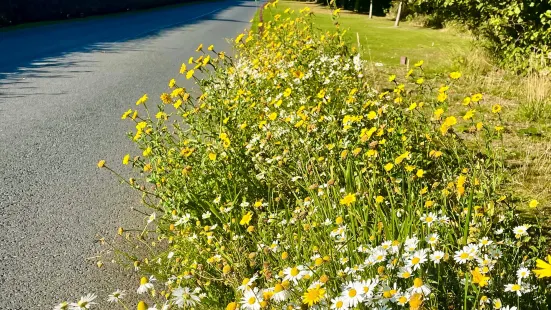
(479, 278)
(544, 270)
(142, 100)
(455, 75)
(348, 199)
(476, 97)
(313, 295)
(246, 218)
(126, 159)
(533, 203)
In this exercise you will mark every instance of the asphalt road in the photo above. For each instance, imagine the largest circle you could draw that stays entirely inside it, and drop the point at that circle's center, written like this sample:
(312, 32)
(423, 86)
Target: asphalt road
(63, 87)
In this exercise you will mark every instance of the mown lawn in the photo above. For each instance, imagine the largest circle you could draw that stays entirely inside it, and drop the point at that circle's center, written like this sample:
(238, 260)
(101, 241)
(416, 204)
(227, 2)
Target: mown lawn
(381, 42)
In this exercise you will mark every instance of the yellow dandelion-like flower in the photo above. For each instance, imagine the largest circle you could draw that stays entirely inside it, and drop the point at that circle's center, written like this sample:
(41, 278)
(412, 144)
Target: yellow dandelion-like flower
(183, 68)
(544, 270)
(239, 38)
(101, 163)
(420, 81)
(420, 173)
(438, 113)
(171, 83)
(313, 295)
(419, 64)
(212, 156)
(348, 199)
(199, 48)
(496, 108)
(533, 203)
(469, 114)
(479, 278)
(246, 218)
(392, 78)
(189, 74)
(442, 97)
(126, 159)
(211, 47)
(126, 114)
(455, 75)
(287, 92)
(389, 166)
(476, 97)
(142, 100)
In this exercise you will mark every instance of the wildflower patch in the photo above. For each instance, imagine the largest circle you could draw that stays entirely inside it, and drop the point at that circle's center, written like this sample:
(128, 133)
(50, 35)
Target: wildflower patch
(290, 182)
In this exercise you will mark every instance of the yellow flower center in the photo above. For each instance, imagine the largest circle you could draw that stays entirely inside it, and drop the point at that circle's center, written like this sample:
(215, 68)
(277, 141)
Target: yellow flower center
(278, 288)
(515, 288)
(402, 299)
(294, 272)
(415, 261)
(464, 255)
(352, 293)
(339, 304)
(252, 301)
(143, 281)
(417, 282)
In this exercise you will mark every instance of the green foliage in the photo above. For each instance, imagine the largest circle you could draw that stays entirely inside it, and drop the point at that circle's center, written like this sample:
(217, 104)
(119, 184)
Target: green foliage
(517, 33)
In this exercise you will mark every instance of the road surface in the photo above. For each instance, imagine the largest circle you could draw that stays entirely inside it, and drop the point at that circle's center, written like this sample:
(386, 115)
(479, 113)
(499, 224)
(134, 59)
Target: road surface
(63, 87)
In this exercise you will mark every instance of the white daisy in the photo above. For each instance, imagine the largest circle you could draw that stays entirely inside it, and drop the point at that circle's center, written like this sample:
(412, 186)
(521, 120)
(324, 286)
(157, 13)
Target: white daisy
(405, 272)
(294, 274)
(485, 241)
(432, 239)
(419, 287)
(280, 292)
(436, 256)
(352, 294)
(247, 282)
(515, 288)
(523, 273)
(62, 306)
(368, 287)
(338, 304)
(116, 296)
(520, 231)
(251, 300)
(429, 219)
(185, 297)
(417, 259)
(84, 303)
(145, 285)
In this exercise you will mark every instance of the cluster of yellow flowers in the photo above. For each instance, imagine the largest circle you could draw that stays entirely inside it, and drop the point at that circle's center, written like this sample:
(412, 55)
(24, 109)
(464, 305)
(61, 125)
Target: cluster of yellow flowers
(290, 183)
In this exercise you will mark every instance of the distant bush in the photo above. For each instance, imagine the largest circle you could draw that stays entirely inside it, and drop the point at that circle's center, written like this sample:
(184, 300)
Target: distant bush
(13, 12)
(517, 33)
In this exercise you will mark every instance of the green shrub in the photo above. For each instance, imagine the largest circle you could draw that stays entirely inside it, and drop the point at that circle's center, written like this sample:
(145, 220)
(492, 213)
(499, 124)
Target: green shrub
(517, 33)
